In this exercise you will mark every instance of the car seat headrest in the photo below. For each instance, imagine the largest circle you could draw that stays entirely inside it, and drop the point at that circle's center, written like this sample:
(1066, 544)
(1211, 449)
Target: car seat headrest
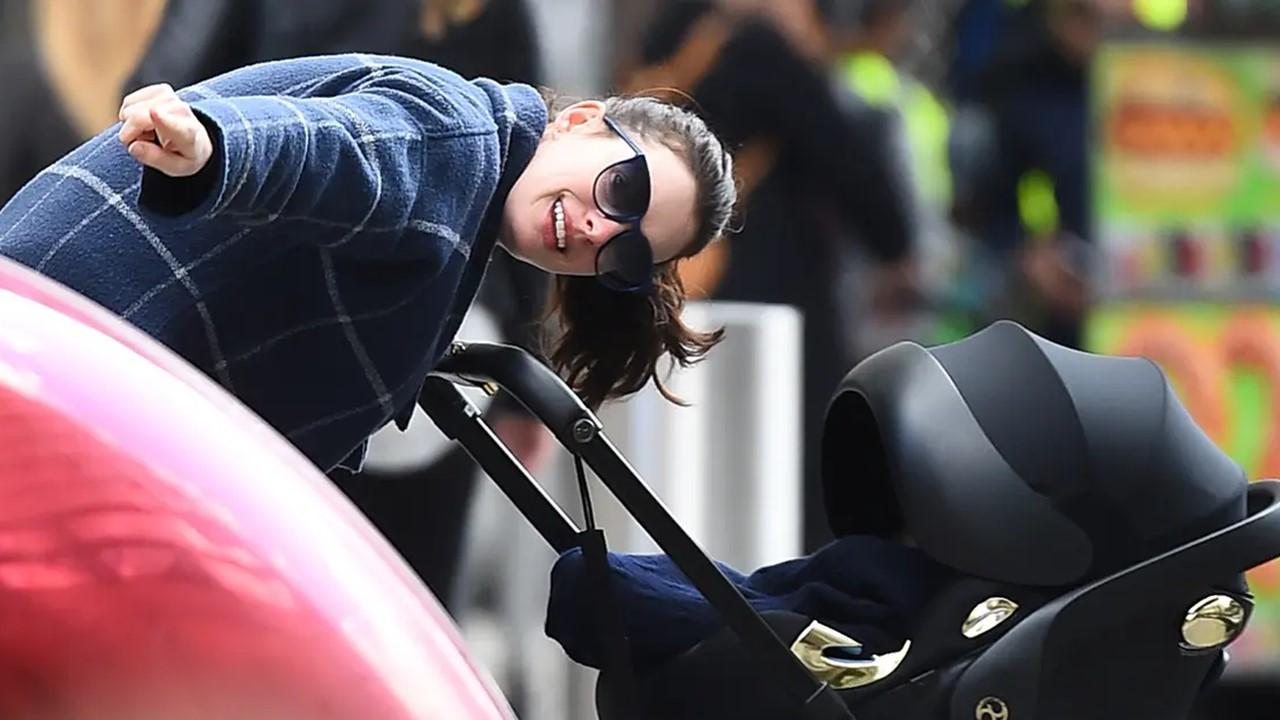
(1008, 457)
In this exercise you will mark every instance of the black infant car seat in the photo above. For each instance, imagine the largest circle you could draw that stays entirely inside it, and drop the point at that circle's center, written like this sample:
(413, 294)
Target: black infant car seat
(1098, 536)
(1102, 539)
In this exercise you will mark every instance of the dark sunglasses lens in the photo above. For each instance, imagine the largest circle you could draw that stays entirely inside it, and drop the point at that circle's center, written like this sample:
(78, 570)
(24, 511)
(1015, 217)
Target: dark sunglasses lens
(622, 190)
(625, 262)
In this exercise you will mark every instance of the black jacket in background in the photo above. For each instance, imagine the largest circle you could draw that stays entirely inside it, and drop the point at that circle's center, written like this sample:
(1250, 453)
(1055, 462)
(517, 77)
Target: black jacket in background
(761, 87)
(834, 174)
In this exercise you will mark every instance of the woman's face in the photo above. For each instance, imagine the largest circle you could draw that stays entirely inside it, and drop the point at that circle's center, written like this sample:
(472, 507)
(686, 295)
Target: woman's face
(560, 180)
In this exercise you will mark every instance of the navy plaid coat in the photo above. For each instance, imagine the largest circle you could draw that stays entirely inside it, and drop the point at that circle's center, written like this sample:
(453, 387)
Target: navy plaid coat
(320, 265)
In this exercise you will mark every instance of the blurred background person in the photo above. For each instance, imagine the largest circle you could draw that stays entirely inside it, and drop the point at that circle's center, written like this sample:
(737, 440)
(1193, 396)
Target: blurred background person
(1035, 216)
(759, 72)
(877, 46)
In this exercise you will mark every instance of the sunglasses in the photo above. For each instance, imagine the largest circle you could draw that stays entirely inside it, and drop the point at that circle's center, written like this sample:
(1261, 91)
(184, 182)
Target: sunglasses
(624, 263)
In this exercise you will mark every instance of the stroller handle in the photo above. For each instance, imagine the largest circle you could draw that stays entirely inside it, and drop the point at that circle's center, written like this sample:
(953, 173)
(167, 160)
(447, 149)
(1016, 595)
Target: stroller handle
(530, 382)
(545, 395)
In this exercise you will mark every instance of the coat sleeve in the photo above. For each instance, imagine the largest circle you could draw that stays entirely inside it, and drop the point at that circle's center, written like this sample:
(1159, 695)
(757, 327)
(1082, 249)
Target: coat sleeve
(394, 167)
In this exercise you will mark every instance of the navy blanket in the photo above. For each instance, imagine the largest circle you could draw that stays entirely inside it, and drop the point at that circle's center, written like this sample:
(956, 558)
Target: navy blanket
(866, 587)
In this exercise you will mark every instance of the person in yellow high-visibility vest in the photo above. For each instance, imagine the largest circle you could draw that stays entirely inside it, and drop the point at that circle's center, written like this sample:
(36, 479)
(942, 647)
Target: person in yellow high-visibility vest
(870, 38)
(1161, 14)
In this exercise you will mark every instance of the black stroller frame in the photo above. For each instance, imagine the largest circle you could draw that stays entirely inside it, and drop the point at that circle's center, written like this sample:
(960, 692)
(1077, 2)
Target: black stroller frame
(1035, 663)
(546, 396)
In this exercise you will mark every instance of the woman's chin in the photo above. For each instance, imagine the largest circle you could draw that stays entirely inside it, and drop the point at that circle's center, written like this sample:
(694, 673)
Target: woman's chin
(541, 259)
(525, 247)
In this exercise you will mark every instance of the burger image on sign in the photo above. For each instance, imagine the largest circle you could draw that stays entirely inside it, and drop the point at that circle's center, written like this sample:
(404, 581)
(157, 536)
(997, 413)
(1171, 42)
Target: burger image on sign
(1171, 130)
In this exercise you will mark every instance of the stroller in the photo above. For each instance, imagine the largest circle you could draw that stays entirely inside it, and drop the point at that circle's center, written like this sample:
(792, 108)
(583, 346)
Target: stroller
(1099, 539)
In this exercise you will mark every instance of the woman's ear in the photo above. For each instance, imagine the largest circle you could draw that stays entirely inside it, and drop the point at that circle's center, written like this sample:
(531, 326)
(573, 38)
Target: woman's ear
(584, 116)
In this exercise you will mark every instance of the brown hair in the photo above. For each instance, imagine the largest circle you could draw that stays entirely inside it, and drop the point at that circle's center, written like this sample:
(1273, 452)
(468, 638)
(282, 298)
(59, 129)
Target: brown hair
(609, 343)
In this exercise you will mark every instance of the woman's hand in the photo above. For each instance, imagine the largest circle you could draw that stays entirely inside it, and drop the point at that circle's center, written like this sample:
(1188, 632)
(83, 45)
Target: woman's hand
(161, 132)
(1048, 268)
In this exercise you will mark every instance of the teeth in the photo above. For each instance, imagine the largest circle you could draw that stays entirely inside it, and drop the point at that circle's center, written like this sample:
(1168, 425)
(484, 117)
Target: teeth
(561, 243)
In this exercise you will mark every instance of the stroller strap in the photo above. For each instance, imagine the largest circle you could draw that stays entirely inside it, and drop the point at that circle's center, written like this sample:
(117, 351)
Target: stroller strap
(604, 608)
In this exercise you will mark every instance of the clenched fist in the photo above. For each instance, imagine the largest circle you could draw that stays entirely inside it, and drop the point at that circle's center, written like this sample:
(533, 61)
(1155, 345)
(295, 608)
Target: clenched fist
(161, 131)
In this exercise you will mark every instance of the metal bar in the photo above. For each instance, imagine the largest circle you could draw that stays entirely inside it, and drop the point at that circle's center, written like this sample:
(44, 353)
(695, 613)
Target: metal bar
(459, 420)
(546, 396)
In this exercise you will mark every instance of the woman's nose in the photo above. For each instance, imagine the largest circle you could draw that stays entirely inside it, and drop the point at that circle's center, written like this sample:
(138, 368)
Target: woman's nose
(598, 229)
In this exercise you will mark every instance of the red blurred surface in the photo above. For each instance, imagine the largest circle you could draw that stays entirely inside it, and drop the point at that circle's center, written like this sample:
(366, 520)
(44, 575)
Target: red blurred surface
(163, 555)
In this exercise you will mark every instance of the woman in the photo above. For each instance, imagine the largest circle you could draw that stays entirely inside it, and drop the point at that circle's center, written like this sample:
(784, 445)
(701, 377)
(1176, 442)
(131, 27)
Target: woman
(310, 232)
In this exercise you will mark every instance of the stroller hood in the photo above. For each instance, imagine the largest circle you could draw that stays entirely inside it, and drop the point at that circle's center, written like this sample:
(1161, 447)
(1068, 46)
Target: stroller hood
(1008, 457)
